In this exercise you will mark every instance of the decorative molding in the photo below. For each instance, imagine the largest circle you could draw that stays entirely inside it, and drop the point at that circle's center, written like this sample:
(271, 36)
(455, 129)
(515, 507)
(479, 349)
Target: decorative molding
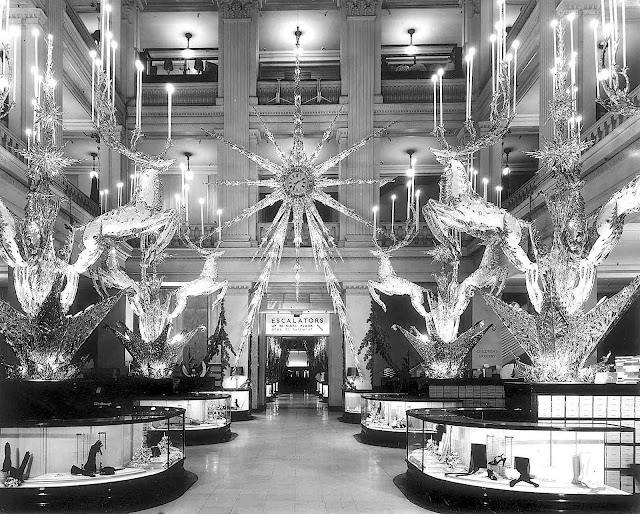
(235, 9)
(361, 7)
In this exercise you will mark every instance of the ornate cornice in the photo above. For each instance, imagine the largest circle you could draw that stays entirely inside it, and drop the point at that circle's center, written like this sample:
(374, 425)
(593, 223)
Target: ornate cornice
(236, 9)
(361, 7)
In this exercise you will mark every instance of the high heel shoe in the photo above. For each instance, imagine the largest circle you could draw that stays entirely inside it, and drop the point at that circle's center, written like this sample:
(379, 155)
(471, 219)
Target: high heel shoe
(498, 459)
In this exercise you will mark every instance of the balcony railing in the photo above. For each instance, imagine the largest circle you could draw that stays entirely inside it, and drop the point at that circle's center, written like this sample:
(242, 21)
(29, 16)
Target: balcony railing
(201, 93)
(421, 91)
(608, 123)
(312, 91)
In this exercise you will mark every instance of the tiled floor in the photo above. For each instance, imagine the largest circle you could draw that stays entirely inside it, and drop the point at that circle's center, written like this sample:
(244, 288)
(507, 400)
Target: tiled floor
(296, 457)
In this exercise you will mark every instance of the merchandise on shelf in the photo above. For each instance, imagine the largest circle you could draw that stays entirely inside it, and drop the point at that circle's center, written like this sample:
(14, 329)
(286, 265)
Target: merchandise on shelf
(95, 456)
(482, 453)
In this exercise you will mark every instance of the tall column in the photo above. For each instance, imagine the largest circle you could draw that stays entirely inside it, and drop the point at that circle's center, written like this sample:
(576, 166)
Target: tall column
(546, 62)
(238, 58)
(335, 363)
(363, 68)
(586, 66)
(235, 307)
(490, 166)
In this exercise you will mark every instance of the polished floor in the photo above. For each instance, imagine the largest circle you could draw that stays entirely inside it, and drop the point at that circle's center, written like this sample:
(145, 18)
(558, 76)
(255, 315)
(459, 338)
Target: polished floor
(295, 457)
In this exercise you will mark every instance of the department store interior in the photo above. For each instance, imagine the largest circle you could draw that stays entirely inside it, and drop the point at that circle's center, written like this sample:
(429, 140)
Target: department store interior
(319, 256)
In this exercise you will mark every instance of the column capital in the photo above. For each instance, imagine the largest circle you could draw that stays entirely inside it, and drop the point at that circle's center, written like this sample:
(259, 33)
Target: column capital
(473, 4)
(29, 15)
(236, 9)
(362, 7)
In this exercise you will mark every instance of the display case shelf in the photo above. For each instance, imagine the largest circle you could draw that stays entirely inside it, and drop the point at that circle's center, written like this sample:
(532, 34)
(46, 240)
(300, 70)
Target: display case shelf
(383, 416)
(544, 463)
(207, 415)
(352, 412)
(122, 449)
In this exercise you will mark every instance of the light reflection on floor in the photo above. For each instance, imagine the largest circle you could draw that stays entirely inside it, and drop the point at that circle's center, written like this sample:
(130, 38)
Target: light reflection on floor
(295, 457)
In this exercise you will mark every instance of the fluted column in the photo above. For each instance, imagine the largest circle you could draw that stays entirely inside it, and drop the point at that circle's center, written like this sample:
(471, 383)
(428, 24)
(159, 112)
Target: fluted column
(586, 66)
(488, 18)
(362, 71)
(546, 62)
(55, 15)
(237, 50)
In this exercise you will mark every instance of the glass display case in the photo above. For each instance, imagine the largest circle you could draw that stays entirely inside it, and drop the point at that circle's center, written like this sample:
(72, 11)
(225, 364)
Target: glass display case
(383, 416)
(353, 405)
(109, 453)
(269, 392)
(497, 460)
(207, 414)
(240, 404)
(325, 392)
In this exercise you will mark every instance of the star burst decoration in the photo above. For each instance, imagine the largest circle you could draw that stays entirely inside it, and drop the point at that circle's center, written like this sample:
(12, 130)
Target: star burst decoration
(298, 182)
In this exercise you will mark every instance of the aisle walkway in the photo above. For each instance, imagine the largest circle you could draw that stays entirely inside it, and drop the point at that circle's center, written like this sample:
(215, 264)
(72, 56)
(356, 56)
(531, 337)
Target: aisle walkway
(295, 457)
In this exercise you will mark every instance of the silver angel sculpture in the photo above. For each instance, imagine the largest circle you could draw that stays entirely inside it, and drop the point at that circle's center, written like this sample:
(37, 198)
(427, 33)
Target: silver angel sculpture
(559, 335)
(45, 338)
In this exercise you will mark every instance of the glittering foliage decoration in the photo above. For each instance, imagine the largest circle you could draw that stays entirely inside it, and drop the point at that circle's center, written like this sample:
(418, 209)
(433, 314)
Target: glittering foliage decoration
(298, 183)
(157, 358)
(219, 343)
(558, 336)
(442, 359)
(44, 338)
(376, 342)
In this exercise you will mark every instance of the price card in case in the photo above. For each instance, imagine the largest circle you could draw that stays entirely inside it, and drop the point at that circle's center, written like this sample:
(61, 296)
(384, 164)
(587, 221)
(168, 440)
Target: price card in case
(613, 406)
(627, 407)
(544, 406)
(599, 406)
(573, 407)
(586, 407)
(557, 406)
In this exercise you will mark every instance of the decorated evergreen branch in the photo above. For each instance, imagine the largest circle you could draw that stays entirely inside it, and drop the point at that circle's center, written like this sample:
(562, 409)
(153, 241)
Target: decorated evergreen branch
(376, 341)
(219, 343)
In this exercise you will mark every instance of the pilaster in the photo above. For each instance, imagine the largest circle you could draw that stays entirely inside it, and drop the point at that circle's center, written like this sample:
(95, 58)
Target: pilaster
(236, 302)
(238, 59)
(358, 303)
(363, 35)
(546, 62)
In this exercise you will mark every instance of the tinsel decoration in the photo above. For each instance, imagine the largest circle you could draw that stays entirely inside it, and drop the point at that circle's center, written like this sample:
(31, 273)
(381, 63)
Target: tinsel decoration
(559, 336)
(298, 183)
(45, 339)
(442, 359)
(157, 358)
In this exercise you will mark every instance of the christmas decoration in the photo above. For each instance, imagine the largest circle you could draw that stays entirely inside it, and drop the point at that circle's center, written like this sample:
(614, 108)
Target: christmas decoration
(298, 183)
(559, 336)
(44, 338)
(376, 342)
(219, 344)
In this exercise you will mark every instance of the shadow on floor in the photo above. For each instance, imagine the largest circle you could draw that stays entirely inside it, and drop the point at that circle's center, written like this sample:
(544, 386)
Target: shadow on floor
(140, 500)
(452, 505)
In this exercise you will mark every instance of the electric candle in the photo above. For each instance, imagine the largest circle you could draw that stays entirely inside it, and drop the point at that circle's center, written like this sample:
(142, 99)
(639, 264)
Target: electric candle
(492, 39)
(28, 132)
(485, 184)
(170, 96)
(554, 26)
(440, 74)
(393, 211)
(16, 32)
(408, 200)
(139, 68)
(132, 177)
(515, 45)
(101, 202)
(499, 196)
(186, 203)
(594, 26)
(434, 79)
(114, 46)
(624, 33)
(375, 229)
(36, 35)
(472, 53)
(219, 213)
(119, 187)
(417, 208)
(571, 16)
(201, 201)
(93, 55)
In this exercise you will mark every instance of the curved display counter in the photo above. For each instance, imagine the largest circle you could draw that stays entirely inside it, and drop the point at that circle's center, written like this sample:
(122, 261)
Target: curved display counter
(240, 404)
(383, 416)
(113, 452)
(497, 461)
(352, 412)
(207, 415)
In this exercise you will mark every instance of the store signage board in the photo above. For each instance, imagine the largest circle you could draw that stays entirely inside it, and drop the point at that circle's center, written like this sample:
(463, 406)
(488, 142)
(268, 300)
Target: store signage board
(289, 324)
